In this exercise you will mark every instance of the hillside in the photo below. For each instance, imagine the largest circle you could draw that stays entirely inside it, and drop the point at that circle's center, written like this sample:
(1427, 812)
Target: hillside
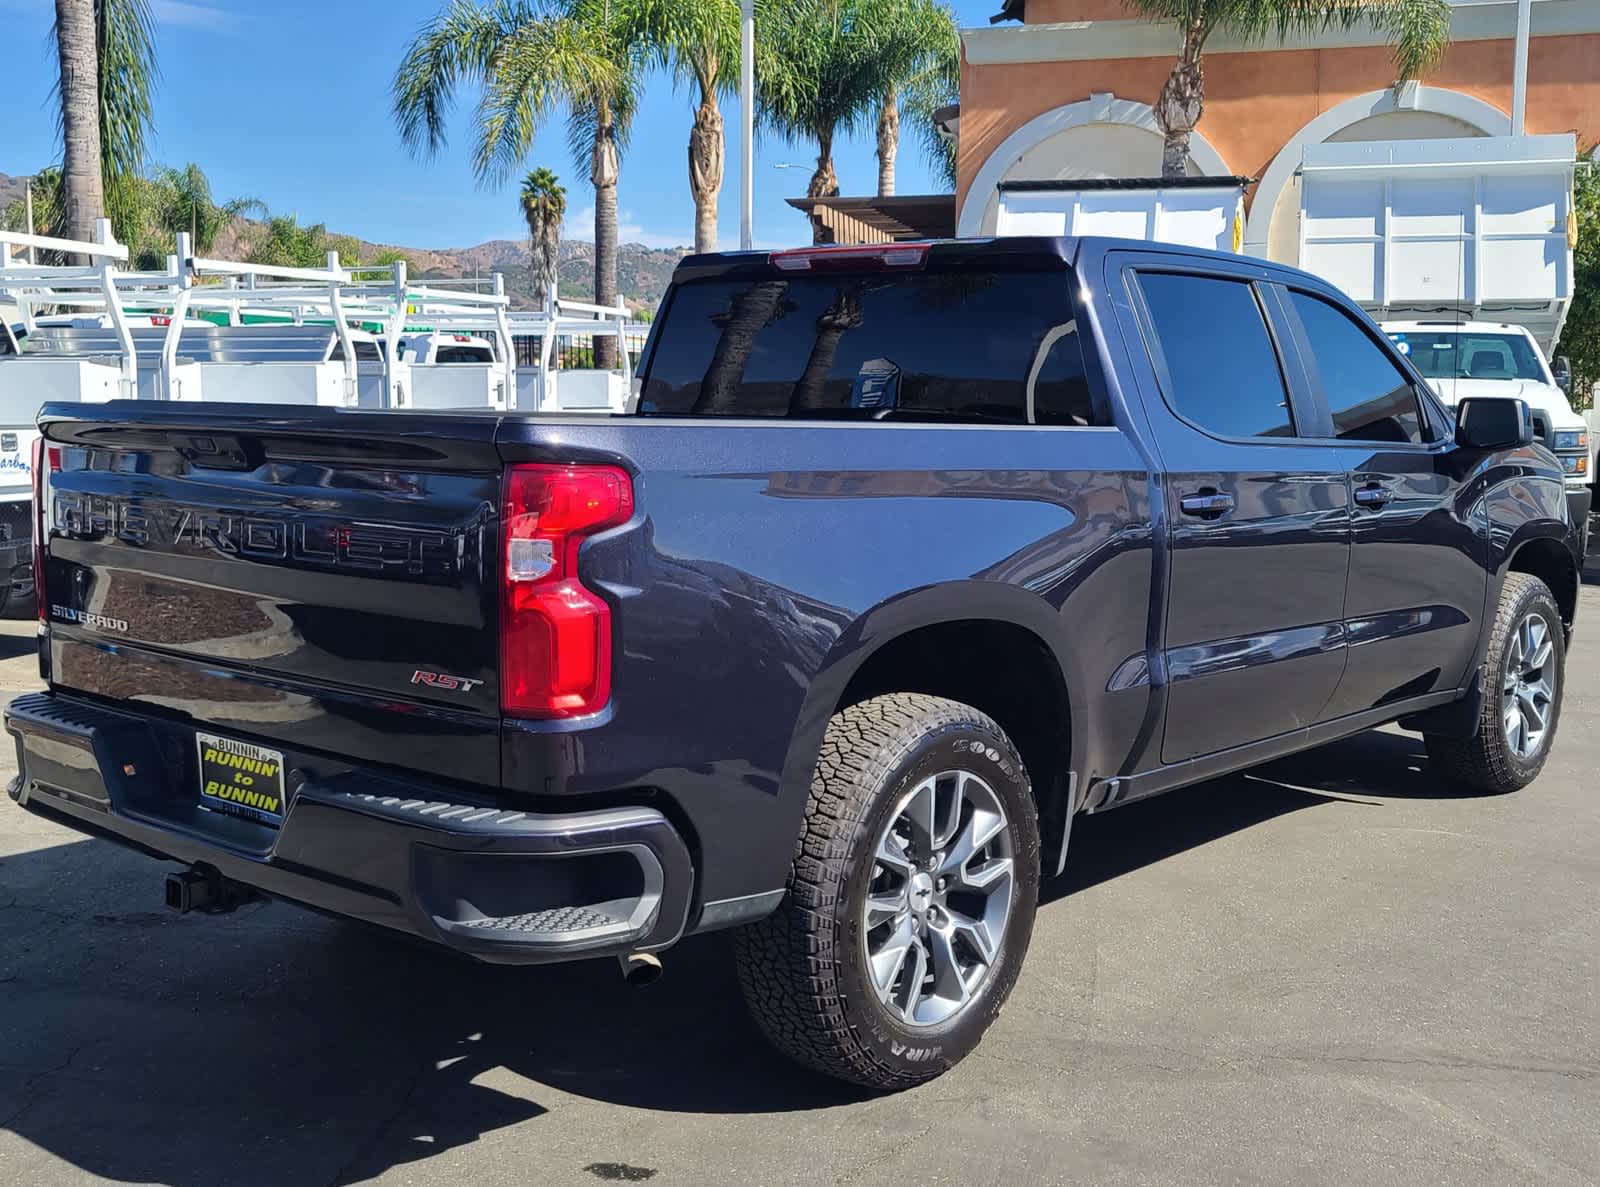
(11, 190)
(642, 272)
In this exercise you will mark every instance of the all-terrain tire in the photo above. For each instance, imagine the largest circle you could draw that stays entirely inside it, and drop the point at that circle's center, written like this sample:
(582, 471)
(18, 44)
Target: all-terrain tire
(1486, 763)
(803, 970)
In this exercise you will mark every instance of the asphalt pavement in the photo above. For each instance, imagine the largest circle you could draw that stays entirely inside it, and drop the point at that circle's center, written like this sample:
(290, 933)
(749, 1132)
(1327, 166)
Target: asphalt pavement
(1327, 970)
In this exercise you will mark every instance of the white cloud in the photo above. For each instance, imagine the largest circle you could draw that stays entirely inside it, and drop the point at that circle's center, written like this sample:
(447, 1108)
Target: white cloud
(192, 14)
(579, 224)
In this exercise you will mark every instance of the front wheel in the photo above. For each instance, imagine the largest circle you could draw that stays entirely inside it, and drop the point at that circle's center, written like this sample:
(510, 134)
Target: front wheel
(911, 899)
(1524, 672)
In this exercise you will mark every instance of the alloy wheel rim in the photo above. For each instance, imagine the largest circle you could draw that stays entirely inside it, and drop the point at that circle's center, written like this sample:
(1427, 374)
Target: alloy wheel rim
(1527, 694)
(939, 898)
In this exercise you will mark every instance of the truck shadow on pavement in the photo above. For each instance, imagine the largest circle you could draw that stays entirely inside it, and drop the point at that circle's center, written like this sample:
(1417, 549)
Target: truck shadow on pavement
(275, 1046)
(14, 645)
(1365, 769)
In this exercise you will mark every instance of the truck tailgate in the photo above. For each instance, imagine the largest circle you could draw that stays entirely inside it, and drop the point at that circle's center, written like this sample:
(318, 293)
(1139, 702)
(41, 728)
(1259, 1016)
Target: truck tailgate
(322, 581)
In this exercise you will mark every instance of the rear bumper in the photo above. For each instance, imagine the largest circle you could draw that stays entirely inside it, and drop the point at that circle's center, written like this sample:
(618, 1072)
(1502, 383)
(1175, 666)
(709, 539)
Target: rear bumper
(497, 884)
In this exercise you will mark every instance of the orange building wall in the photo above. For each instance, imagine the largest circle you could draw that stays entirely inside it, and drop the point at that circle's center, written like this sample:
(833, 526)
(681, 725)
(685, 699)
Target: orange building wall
(1257, 101)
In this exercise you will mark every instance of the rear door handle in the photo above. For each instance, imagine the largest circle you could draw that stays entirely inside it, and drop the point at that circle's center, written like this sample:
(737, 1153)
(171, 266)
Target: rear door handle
(1373, 495)
(1206, 503)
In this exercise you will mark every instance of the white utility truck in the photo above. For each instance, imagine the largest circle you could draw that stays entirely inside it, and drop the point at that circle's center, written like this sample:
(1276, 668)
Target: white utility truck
(202, 329)
(16, 485)
(1478, 229)
(1479, 358)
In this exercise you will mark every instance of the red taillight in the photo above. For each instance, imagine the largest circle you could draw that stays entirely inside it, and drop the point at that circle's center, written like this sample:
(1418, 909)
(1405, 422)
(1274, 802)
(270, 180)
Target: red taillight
(555, 635)
(855, 255)
(44, 461)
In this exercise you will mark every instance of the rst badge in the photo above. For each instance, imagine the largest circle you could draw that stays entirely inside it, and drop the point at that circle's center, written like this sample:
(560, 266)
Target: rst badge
(446, 683)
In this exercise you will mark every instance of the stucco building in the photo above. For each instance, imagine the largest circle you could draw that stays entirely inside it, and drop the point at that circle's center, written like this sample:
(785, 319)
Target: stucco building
(1066, 93)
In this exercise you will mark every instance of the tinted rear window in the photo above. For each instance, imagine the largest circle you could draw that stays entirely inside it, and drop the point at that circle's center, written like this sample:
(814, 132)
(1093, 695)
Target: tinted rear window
(925, 345)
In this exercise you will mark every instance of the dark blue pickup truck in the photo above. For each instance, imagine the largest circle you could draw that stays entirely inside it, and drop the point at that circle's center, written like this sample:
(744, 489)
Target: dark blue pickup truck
(904, 557)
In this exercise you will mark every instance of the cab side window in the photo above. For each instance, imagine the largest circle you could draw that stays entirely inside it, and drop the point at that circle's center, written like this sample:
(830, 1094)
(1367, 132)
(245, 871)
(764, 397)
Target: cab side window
(1369, 398)
(1223, 370)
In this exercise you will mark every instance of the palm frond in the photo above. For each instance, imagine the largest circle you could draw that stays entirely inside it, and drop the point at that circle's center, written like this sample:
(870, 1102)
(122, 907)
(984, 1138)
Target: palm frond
(128, 77)
(697, 41)
(936, 85)
(825, 66)
(542, 66)
(1419, 29)
(457, 47)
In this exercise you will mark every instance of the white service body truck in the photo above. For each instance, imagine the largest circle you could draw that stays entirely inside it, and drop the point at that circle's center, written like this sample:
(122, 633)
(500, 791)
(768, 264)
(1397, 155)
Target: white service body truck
(17, 435)
(1481, 358)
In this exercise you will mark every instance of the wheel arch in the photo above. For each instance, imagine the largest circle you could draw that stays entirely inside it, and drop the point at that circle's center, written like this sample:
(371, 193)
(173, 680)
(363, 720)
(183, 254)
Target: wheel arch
(1547, 555)
(992, 646)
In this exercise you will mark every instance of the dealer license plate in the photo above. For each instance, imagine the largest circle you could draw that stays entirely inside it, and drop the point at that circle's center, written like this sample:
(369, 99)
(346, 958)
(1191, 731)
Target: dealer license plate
(241, 779)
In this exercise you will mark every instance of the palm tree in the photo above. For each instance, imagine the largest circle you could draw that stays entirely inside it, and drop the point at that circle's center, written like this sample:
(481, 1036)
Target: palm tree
(828, 65)
(84, 199)
(544, 205)
(1418, 29)
(699, 41)
(819, 76)
(106, 51)
(531, 58)
(185, 204)
(922, 57)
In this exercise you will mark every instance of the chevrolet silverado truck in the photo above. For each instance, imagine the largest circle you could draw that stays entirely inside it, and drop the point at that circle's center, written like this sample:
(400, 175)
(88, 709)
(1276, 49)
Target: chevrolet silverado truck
(902, 558)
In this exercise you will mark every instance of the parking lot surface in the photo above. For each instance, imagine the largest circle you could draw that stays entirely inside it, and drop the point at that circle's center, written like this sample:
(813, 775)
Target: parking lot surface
(1326, 970)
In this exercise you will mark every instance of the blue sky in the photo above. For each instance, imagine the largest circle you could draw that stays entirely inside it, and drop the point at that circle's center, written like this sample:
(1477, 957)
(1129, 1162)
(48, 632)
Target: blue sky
(287, 101)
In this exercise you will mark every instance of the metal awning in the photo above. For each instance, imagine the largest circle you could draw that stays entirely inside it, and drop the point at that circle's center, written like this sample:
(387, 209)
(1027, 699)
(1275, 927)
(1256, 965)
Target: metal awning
(881, 220)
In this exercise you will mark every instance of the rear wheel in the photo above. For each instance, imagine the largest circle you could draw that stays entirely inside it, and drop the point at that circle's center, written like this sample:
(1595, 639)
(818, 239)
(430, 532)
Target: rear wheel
(911, 900)
(1522, 679)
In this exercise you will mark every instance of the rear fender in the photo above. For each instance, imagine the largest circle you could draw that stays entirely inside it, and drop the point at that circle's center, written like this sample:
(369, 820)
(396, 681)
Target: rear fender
(957, 601)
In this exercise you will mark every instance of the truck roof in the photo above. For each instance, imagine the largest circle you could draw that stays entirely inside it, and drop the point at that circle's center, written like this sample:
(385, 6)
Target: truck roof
(1006, 252)
(1476, 327)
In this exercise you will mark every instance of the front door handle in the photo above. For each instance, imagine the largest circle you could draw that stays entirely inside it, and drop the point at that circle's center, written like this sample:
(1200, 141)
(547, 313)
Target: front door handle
(1373, 495)
(1208, 503)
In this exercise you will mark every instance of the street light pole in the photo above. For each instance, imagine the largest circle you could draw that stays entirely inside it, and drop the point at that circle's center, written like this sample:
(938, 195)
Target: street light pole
(747, 123)
(1519, 70)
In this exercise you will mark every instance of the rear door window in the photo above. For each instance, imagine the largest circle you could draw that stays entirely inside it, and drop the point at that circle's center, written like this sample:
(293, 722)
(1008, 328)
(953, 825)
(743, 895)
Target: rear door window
(965, 346)
(463, 354)
(1222, 372)
(1369, 397)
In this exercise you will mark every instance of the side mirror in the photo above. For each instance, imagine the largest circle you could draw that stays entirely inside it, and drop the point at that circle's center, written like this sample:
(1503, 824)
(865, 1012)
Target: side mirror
(1488, 423)
(1561, 368)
